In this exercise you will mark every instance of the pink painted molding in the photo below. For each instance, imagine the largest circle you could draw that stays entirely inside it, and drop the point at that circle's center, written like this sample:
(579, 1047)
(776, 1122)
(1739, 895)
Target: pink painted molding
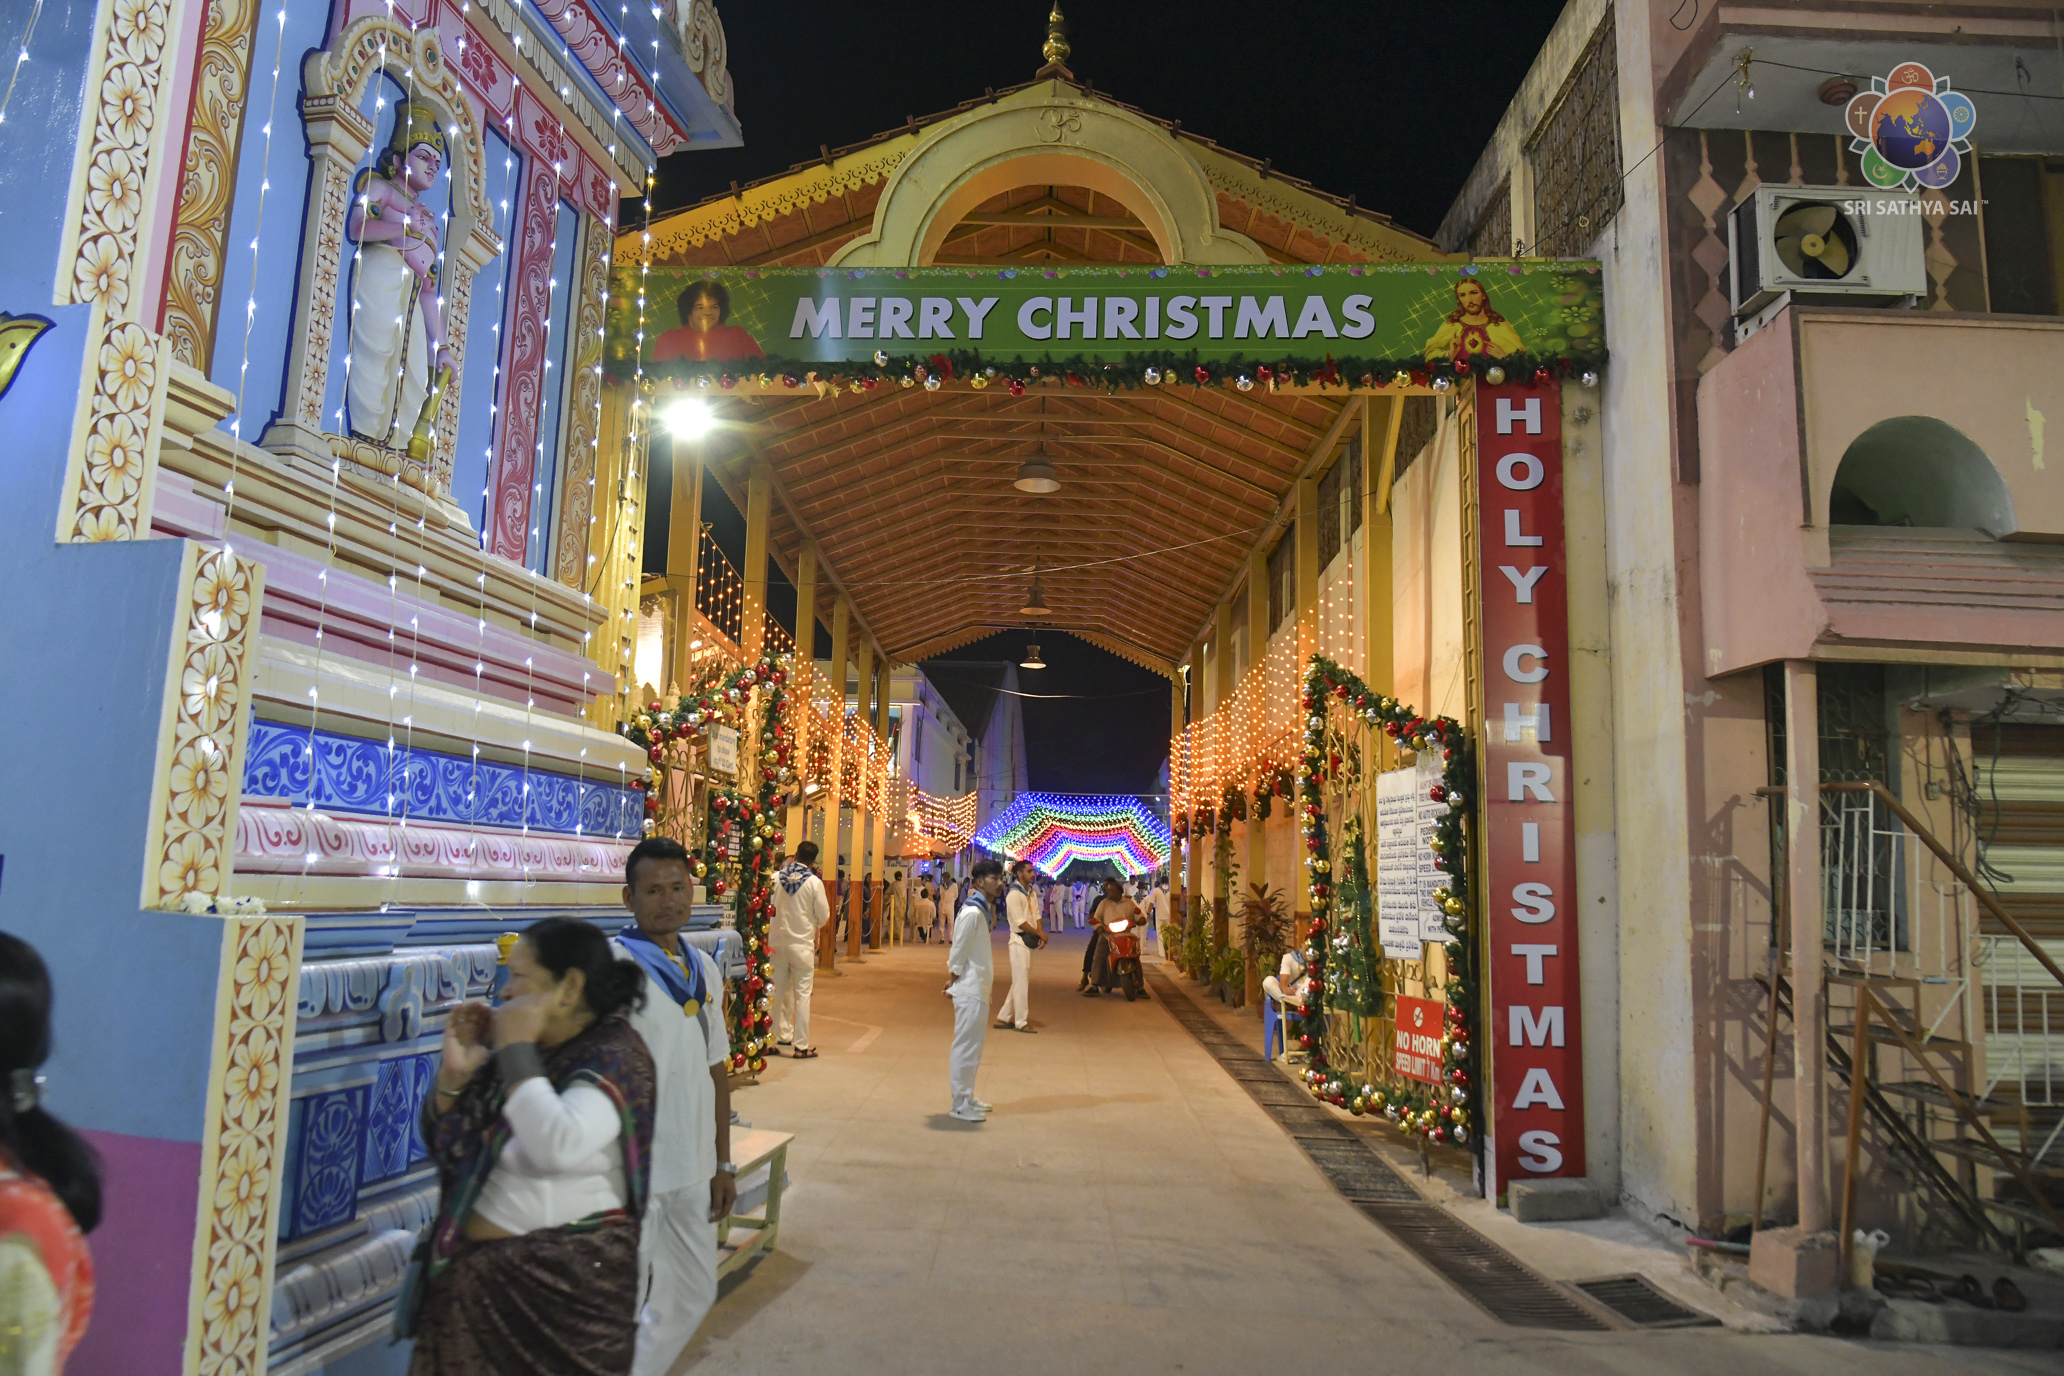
(359, 611)
(274, 838)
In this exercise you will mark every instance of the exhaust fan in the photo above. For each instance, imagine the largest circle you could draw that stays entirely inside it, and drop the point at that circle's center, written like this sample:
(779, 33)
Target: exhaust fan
(1825, 241)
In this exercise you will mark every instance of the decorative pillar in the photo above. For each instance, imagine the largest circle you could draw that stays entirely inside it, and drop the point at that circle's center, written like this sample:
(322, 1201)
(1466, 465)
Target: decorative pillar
(1221, 882)
(1177, 743)
(880, 843)
(835, 794)
(1198, 710)
(759, 503)
(338, 136)
(683, 554)
(863, 814)
(800, 684)
(1380, 418)
(1258, 629)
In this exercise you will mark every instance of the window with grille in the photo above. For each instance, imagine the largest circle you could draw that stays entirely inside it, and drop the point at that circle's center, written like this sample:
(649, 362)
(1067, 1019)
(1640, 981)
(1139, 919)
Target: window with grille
(1416, 429)
(1492, 237)
(1576, 154)
(1282, 578)
(1340, 502)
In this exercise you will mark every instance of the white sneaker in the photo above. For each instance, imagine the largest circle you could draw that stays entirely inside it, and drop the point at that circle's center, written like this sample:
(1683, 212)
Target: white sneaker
(981, 1107)
(969, 1114)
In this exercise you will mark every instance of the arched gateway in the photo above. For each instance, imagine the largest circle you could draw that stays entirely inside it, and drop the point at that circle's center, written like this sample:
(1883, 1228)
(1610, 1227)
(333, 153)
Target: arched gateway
(1047, 363)
(359, 670)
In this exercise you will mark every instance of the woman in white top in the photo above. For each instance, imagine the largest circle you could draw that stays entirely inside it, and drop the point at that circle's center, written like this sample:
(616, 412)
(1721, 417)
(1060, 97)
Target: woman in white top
(543, 1145)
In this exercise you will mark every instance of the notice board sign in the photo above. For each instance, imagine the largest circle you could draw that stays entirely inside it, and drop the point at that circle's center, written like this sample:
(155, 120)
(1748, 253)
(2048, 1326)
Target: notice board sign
(1418, 1055)
(1529, 893)
(1397, 863)
(723, 751)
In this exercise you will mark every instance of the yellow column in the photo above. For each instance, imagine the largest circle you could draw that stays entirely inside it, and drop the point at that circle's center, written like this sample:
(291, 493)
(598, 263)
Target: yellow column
(888, 801)
(684, 549)
(1221, 881)
(799, 684)
(759, 505)
(1176, 724)
(1199, 710)
(1380, 417)
(1258, 629)
(864, 843)
(860, 871)
(835, 788)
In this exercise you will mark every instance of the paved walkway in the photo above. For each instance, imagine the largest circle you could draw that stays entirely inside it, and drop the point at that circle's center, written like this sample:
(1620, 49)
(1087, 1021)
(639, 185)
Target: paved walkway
(1126, 1208)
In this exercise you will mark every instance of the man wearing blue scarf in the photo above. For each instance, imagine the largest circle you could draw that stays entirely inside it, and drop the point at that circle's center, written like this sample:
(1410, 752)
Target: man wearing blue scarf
(970, 969)
(693, 1184)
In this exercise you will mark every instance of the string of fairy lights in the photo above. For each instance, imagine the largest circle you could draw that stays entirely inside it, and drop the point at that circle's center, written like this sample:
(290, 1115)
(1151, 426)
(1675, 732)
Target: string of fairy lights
(1054, 830)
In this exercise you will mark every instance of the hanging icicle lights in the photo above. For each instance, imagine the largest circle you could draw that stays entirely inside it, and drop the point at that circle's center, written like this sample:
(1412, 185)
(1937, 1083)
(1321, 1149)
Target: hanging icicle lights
(1053, 829)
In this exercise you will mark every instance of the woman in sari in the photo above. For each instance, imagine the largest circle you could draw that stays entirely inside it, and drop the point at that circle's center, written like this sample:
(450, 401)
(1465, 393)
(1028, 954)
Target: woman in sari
(541, 1128)
(49, 1185)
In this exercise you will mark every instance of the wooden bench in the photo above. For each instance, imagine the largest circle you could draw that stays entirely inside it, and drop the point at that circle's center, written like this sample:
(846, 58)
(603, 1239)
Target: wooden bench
(743, 1235)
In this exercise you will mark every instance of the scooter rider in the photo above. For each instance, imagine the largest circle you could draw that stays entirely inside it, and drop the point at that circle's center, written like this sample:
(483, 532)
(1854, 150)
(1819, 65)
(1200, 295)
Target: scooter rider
(1114, 906)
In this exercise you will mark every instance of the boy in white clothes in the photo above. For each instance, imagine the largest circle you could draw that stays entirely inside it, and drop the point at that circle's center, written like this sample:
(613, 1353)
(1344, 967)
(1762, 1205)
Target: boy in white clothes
(800, 911)
(1021, 916)
(970, 970)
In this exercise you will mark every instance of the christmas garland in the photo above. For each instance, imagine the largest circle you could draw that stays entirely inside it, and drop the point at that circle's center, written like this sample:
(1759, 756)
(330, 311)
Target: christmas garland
(724, 701)
(1437, 1116)
(1280, 782)
(1153, 368)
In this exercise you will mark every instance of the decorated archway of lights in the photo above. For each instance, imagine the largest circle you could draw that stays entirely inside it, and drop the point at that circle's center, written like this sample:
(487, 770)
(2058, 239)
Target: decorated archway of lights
(1054, 829)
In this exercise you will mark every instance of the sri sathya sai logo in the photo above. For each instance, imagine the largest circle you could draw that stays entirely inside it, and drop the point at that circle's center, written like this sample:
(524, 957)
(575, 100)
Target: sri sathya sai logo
(1911, 129)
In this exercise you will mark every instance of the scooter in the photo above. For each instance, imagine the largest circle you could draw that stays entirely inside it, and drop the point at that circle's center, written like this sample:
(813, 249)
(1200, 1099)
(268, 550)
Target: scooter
(1122, 957)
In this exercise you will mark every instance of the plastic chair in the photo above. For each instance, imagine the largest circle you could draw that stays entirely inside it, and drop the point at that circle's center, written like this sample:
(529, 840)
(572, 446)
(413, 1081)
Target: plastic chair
(1273, 1029)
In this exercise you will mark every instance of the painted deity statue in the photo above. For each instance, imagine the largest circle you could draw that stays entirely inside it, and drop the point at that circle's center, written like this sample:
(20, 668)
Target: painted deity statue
(397, 318)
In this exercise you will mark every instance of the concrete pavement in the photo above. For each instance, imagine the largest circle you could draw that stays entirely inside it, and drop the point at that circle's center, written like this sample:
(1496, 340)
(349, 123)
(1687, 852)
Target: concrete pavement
(1126, 1208)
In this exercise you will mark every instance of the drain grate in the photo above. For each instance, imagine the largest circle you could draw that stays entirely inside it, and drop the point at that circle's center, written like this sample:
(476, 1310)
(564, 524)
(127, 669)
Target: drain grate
(1636, 1299)
(1477, 1267)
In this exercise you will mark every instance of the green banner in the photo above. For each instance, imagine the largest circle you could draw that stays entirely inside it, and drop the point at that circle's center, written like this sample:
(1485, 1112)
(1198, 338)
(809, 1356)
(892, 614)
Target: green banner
(1351, 323)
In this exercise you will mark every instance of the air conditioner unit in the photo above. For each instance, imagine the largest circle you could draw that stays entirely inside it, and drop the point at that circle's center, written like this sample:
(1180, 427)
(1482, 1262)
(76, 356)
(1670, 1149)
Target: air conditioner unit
(1825, 241)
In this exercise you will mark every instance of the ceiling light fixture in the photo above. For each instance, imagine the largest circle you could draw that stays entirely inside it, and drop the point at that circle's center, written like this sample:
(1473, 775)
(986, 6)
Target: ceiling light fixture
(1032, 659)
(1037, 474)
(1035, 604)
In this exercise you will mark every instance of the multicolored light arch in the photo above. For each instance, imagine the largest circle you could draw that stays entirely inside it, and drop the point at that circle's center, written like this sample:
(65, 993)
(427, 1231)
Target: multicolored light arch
(1054, 829)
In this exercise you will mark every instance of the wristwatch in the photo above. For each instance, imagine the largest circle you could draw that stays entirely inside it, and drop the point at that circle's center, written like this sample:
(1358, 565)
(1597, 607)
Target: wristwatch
(726, 1168)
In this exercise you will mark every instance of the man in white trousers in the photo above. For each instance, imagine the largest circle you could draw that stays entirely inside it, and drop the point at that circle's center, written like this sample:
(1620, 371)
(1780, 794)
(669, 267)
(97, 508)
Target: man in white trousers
(800, 912)
(1155, 904)
(693, 1183)
(970, 970)
(1021, 915)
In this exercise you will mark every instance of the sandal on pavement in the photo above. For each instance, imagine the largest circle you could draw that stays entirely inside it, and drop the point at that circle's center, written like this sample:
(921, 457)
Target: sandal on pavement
(803, 1053)
(1967, 1289)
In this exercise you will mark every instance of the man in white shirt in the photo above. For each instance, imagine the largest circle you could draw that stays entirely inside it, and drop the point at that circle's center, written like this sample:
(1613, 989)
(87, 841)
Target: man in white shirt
(970, 970)
(1155, 905)
(1021, 915)
(801, 910)
(693, 1182)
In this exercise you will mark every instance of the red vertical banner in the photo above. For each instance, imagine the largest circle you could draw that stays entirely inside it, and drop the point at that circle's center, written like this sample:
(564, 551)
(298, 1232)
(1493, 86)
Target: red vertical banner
(1533, 1033)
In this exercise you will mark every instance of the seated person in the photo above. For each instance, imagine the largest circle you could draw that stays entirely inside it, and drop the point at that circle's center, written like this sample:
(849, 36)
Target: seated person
(1288, 984)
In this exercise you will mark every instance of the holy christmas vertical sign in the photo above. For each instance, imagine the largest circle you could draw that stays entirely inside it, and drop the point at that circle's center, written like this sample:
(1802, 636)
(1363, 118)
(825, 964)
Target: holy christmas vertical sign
(1537, 1092)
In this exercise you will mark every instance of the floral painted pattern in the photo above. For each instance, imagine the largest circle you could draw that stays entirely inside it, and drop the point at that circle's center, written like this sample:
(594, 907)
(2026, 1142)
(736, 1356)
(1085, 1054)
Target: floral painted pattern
(240, 1174)
(133, 78)
(196, 795)
(109, 473)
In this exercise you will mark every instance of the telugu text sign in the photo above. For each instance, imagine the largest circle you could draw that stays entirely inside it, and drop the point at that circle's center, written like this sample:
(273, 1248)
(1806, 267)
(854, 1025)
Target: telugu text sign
(1529, 898)
(1397, 863)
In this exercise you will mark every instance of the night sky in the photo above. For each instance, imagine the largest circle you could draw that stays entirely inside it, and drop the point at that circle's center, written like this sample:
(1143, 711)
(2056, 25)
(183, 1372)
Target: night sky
(1388, 103)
